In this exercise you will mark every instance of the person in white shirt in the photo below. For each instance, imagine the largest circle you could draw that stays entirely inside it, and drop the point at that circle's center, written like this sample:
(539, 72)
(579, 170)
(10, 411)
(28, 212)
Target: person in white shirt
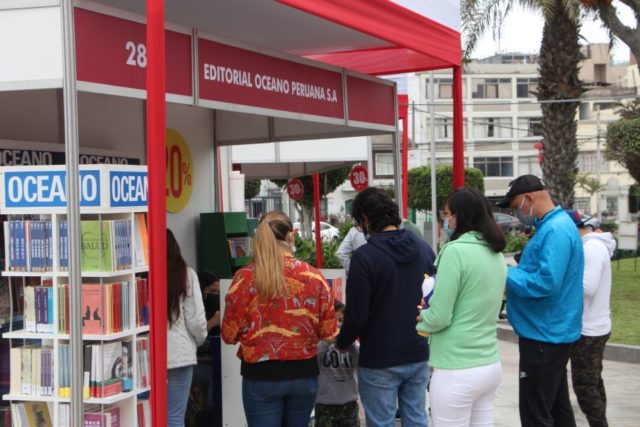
(352, 241)
(587, 353)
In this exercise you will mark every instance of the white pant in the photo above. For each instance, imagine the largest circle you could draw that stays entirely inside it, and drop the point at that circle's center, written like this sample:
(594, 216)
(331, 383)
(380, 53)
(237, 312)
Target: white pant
(464, 397)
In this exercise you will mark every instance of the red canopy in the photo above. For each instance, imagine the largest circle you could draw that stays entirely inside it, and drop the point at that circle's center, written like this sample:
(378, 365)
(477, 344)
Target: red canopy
(418, 43)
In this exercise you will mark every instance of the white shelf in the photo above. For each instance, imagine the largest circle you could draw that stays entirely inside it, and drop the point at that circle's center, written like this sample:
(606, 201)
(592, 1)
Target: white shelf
(97, 400)
(87, 274)
(111, 399)
(22, 334)
(29, 274)
(30, 398)
(142, 329)
(26, 335)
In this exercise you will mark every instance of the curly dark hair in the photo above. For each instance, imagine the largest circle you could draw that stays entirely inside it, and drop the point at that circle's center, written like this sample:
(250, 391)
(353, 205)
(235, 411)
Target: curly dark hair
(473, 213)
(377, 207)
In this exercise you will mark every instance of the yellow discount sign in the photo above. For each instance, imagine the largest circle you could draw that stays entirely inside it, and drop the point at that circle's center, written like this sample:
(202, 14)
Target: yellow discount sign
(179, 172)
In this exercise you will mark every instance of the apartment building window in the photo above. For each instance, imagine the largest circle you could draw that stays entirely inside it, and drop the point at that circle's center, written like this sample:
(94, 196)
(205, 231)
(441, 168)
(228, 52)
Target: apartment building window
(383, 164)
(612, 206)
(583, 204)
(443, 127)
(524, 87)
(494, 166)
(529, 166)
(491, 88)
(529, 126)
(588, 162)
(492, 127)
(443, 88)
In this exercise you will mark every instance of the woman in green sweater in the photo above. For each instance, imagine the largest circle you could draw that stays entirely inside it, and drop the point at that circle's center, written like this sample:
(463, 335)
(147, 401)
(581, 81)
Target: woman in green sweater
(461, 318)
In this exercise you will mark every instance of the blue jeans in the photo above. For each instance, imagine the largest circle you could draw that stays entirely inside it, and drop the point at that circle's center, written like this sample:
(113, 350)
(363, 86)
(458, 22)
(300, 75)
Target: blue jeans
(279, 403)
(380, 389)
(178, 386)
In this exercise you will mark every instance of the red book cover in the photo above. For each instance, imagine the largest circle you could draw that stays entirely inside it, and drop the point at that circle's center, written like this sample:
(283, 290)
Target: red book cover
(92, 314)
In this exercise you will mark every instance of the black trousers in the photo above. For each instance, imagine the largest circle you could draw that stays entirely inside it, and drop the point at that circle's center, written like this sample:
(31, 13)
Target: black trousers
(586, 375)
(544, 391)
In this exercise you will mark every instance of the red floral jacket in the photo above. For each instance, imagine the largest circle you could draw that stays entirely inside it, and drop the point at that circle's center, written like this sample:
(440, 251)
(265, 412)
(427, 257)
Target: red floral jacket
(286, 328)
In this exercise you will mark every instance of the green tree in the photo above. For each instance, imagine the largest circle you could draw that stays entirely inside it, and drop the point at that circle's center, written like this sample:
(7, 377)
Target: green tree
(251, 188)
(607, 11)
(420, 185)
(589, 184)
(329, 181)
(623, 139)
(558, 64)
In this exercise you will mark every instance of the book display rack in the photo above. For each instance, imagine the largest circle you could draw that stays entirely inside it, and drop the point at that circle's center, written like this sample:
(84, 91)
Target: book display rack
(115, 312)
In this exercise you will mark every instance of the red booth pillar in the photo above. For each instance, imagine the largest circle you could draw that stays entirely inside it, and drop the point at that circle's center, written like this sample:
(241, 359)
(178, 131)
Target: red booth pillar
(156, 161)
(403, 114)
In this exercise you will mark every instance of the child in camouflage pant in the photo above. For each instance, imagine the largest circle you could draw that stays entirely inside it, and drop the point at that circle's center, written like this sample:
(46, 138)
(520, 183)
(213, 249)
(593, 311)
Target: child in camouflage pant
(336, 401)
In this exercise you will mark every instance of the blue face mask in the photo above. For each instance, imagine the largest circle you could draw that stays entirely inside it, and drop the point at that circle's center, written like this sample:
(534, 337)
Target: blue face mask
(448, 231)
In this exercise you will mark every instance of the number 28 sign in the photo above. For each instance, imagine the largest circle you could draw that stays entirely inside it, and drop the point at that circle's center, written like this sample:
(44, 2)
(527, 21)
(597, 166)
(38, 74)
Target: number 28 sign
(359, 177)
(295, 189)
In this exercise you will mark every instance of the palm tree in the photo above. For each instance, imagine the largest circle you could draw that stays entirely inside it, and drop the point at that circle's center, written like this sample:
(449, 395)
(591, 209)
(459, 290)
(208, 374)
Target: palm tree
(558, 87)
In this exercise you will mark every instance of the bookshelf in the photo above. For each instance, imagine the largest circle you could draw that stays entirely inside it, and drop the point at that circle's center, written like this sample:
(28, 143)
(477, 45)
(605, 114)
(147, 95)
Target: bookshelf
(225, 243)
(114, 258)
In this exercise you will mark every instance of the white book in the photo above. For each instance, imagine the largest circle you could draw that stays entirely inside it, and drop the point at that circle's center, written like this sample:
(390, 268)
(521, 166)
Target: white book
(15, 370)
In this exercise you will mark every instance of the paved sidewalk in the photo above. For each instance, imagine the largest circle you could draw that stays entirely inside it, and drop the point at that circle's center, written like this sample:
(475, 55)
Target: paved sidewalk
(621, 380)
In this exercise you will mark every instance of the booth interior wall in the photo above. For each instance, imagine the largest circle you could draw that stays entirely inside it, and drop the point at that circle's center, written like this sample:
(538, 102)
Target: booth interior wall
(196, 127)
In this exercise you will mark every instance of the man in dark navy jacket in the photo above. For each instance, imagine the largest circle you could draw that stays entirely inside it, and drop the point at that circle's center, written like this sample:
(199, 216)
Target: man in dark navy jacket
(383, 291)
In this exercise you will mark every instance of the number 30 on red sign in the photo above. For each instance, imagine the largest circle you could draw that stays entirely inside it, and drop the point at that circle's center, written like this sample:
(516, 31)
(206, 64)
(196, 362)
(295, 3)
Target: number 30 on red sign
(359, 177)
(295, 189)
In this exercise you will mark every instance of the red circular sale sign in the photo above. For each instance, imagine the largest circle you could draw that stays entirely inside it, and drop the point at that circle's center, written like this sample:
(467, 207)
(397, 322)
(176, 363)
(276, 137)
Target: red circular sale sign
(295, 189)
(359, 177)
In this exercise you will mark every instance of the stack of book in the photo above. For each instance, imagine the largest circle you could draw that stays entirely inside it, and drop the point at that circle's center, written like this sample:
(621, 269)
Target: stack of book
(31, 371)
(29, 245)
(142, 347)
(30, 414)
(142, 301)
(144, 413)
(105, 308)
(95, 416)
(105, 245)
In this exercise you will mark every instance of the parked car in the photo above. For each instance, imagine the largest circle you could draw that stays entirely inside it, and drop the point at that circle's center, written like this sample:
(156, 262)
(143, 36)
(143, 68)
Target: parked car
(328, 232)
(508, 223)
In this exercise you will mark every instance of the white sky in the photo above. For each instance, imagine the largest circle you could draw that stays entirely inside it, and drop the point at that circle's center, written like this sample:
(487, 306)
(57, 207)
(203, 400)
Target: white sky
(522, 32)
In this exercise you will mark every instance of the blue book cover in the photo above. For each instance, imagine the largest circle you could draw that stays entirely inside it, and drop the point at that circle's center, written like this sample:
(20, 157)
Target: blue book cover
(63, 245)
(49, 245)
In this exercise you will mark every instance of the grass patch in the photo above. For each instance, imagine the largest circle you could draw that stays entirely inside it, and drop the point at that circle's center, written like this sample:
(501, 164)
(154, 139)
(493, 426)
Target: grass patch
(625, 302)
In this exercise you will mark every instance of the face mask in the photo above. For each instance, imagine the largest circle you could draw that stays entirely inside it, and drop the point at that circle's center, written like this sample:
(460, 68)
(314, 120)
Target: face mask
(448, 231)
(527, 220)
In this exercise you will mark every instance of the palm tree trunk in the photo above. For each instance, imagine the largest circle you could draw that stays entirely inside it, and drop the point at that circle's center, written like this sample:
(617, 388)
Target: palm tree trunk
(558, 66)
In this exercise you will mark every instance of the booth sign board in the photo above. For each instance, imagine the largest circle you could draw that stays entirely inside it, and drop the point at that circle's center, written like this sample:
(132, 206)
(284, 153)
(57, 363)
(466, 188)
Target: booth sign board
(45, 188)
(229, 77)
(295, 189)
(359, 177)
(628, 235)
(120, 59)
(20, 153)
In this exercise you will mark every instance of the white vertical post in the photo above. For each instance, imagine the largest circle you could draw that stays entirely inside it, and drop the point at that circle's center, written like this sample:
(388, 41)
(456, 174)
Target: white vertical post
(70, 105)
(598, 160)
(432, 146)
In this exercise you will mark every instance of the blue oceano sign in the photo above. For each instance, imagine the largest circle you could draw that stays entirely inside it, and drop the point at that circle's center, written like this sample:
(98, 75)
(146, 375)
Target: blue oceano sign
(47, 189)
(128, 188)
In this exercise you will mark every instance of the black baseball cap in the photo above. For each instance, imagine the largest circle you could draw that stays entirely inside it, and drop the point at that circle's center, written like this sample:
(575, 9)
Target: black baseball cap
(522, 184)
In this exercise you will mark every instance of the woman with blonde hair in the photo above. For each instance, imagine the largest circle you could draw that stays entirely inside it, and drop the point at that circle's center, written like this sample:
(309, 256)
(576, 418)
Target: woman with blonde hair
(278, 308)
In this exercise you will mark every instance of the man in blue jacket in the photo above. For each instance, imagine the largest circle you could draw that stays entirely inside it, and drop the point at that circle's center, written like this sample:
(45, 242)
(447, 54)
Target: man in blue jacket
(384, 288)
(544, 304)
